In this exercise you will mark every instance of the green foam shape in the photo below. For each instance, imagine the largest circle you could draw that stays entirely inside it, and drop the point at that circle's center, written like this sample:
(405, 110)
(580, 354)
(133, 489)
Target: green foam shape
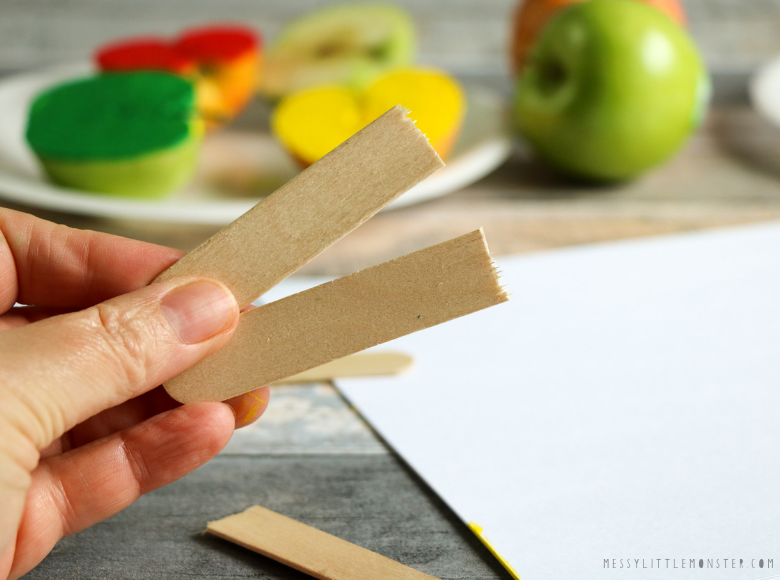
(143, 177)
(111, 116)
(133, 134)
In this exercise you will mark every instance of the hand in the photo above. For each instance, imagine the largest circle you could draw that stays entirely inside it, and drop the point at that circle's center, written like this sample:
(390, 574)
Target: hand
(85, 428)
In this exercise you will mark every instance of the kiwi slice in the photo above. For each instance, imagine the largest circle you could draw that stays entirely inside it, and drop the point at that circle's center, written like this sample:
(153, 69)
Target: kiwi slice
(345, 44)
(133, 134)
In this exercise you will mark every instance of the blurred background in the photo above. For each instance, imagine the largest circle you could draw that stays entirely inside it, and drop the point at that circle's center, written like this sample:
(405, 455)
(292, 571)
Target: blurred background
(727, 173)
(466, 37)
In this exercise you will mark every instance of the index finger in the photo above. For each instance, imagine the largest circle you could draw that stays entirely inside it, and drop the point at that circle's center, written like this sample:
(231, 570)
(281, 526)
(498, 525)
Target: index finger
(45, 264)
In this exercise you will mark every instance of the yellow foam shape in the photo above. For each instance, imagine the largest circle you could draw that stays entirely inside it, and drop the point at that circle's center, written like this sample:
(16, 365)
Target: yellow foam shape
(479, 532)
(435, 100)
(312, 122)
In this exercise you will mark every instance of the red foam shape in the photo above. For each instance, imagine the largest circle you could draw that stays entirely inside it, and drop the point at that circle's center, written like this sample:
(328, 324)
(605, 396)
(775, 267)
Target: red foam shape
(219, 43)
(145, 53)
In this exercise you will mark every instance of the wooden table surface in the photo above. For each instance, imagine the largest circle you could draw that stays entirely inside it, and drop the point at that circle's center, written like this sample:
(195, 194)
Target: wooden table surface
(312, 457)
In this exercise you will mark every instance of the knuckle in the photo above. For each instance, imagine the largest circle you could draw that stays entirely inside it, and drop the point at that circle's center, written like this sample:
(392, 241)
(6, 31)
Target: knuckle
(124, 338)
(18, 458)
(62, 497)
(136, 464)
(27, 422)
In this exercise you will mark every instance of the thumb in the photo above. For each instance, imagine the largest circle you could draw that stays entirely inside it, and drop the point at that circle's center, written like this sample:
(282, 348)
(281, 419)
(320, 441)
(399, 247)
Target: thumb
(65, 369)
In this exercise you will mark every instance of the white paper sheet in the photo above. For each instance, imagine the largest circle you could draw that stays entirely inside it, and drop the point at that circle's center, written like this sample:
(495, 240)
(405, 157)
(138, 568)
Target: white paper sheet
(625, 404)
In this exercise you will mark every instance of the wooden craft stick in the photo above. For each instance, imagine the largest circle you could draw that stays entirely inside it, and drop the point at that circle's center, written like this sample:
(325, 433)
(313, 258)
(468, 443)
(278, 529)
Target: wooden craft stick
(307, 549)
(315, 209)
(369, 364)
(346, 316)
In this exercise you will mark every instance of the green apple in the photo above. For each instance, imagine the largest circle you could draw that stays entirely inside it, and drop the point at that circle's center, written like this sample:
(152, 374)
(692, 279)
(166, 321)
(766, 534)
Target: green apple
(344, 44)
(612, 88)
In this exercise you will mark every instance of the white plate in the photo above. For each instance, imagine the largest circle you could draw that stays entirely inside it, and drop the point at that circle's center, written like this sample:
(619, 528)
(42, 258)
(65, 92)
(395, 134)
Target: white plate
(236, 170)
(765, 91)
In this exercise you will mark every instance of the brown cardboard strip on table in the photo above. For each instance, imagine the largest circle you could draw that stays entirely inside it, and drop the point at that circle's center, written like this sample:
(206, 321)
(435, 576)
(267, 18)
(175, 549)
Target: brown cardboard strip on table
(368, 364)
(307, 549)
(315, 209)
(346, 316)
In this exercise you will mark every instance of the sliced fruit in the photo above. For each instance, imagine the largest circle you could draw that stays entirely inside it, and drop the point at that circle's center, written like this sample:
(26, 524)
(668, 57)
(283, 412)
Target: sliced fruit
(223, 61)
(147, 53)
(434, 98)
(229, 59)
(532, 16)
(134, 134)
(146, 176)
(344, 44)
(312, 122)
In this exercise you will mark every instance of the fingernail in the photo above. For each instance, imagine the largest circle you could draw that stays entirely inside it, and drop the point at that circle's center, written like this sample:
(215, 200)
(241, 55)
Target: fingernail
(199, 310)
(250, 406)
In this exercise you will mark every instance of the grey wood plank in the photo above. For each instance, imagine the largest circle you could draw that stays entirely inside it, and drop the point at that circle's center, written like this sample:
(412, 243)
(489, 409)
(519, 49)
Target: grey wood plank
(372, 501)
(306, 419)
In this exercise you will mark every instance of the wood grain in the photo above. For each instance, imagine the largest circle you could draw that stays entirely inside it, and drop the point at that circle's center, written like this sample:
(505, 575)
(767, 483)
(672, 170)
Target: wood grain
(346, 316)
(307, 549)
(369, 500)
(315, 209)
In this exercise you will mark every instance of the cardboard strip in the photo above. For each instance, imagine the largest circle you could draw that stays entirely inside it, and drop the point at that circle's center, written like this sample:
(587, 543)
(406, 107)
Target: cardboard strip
(368, 364)
(307, 549)
(315, 209)
(346, 316)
